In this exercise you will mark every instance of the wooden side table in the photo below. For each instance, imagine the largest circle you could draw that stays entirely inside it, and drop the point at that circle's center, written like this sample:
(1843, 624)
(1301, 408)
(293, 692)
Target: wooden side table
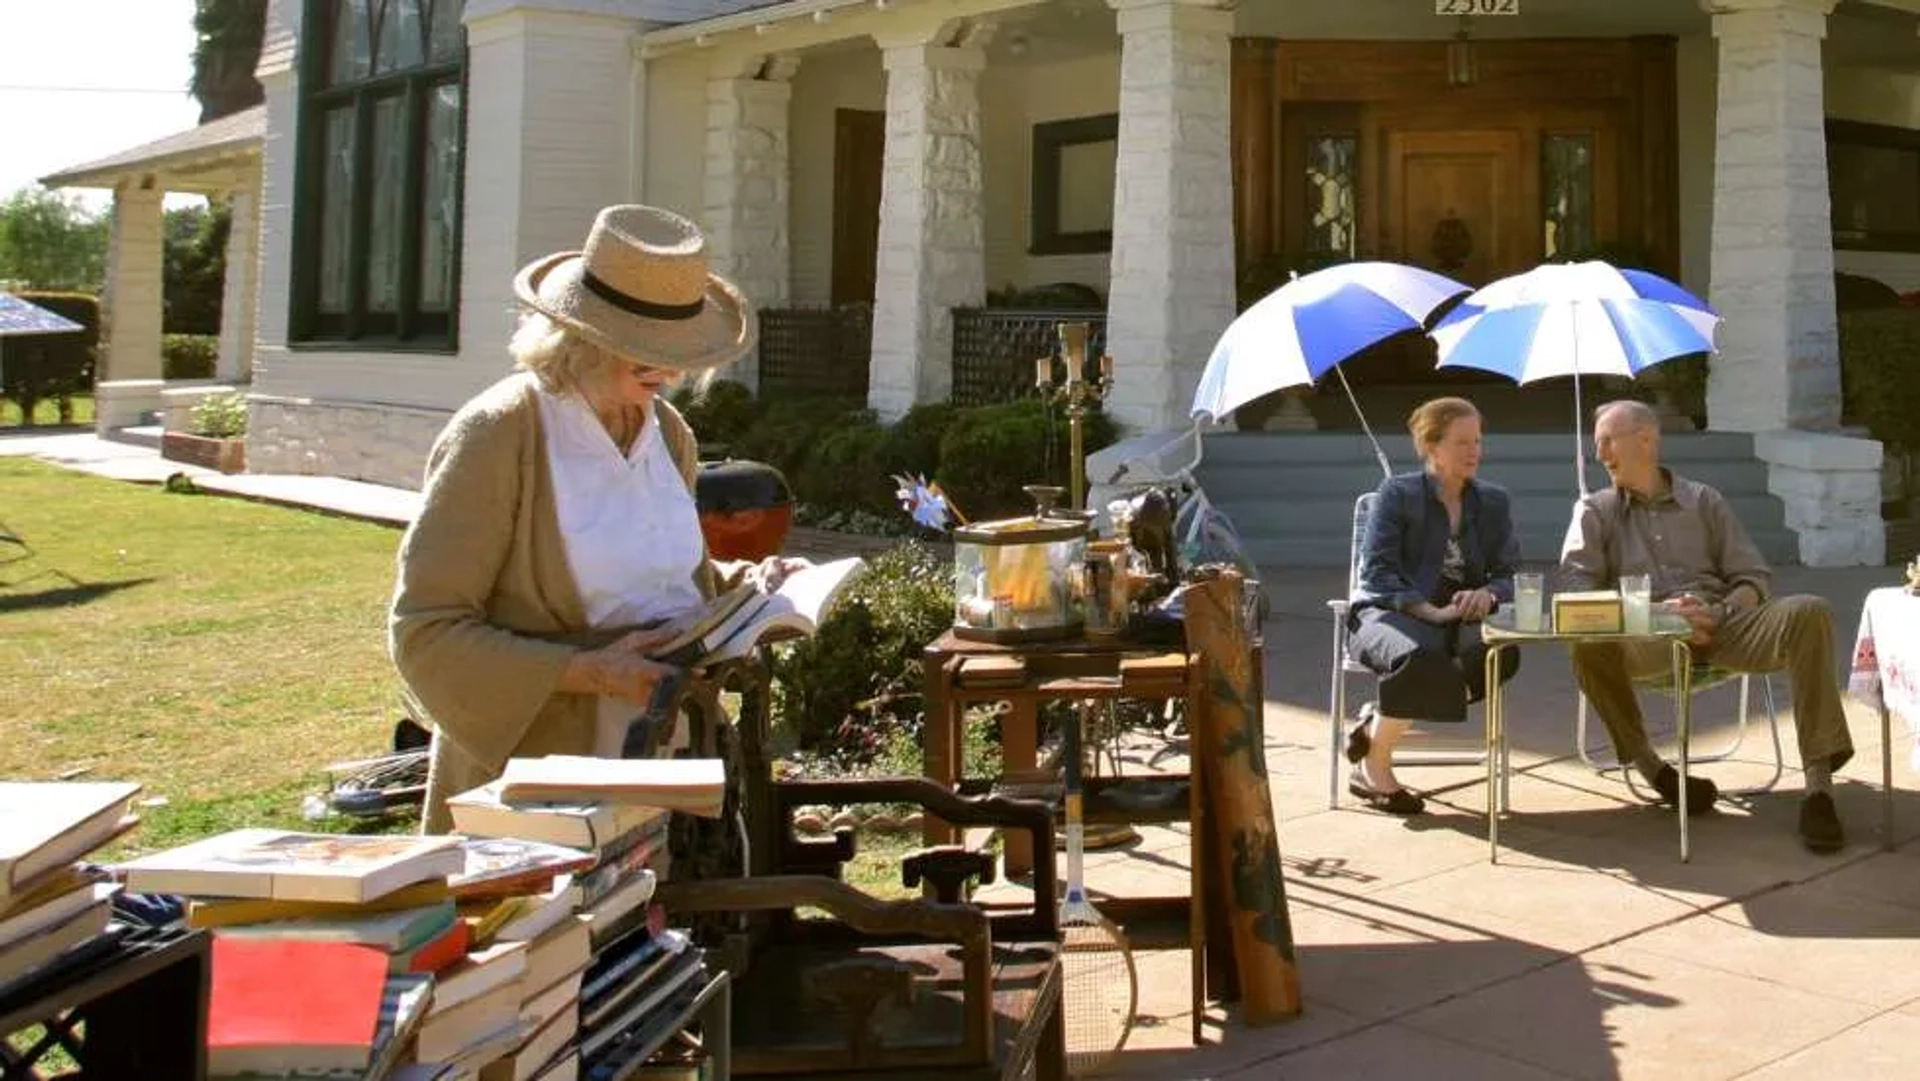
(1071, 671)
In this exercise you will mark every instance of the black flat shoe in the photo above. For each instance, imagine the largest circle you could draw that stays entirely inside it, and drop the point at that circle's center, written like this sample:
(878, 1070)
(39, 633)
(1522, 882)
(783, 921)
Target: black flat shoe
(1400, 801)
(1820, 828)
(1359, 740)
(1701, 791)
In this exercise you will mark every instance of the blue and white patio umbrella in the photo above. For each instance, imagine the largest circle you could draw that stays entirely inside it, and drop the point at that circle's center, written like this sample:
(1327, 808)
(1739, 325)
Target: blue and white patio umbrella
(1296, 333)
(19, 317)
(1574, 319)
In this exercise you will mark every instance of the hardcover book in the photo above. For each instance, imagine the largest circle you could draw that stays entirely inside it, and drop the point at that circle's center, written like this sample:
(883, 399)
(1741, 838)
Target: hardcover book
(280, 865)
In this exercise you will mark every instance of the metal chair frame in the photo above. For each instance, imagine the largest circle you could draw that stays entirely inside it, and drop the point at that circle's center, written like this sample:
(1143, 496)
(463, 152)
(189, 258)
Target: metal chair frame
(1705, 678)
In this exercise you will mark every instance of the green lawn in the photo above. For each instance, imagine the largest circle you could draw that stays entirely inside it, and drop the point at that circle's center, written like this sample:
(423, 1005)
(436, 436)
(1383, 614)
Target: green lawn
(219, 652)
(47, 412)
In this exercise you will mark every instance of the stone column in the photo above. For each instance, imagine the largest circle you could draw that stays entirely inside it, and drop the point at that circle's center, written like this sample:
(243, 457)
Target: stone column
(237, 292)
(129, 383)
(747, 183)
(1772, 272)
(1172, 278)
(932, 245)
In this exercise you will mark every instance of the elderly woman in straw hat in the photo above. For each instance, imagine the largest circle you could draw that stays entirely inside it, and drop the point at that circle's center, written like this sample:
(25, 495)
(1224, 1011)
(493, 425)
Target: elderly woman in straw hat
(558, 529)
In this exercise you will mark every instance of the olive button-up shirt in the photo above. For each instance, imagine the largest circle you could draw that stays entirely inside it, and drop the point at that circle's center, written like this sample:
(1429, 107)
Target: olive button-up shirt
(1686, 540)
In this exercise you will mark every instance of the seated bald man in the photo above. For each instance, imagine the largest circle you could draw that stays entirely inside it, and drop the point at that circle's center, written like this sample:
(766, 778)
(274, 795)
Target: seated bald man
(1705, 567)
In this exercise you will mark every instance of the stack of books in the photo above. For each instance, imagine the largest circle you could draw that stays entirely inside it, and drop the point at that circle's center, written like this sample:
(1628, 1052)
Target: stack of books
(620, 968)
(325, 945)
(51, 908)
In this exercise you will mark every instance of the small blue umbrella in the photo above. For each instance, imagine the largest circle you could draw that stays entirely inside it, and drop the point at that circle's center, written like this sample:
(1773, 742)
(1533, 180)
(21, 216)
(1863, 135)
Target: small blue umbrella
(1574, 319)
(1296, 333)
(19, 317)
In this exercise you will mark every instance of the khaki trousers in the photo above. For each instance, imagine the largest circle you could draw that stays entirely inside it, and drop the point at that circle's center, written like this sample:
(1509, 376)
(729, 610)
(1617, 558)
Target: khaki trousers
(1794, 634)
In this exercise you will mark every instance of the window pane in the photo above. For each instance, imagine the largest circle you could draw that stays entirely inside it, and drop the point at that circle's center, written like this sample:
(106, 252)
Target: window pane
(1566, 189)
(446, 29)
(388, 195)
(336, 211)
(351, 55)
(1875, 189)
(1331, 182)
(440, 207)
(402, 40)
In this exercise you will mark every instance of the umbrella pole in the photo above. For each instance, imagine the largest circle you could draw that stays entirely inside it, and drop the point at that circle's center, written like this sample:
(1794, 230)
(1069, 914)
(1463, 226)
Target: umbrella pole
(1579, 450)
(1379, 455)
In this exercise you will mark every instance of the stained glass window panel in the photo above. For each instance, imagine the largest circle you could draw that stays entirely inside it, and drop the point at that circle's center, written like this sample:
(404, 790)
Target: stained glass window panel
(387, 194)
(336, 212)
(445, 33)
(1331, 183)
(402, 36)
(440, 210)
(1566, 190)
(351, 53)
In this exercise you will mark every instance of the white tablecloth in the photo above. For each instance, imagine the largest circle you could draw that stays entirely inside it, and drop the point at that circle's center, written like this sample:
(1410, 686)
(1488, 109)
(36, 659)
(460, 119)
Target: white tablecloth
(1886, 659)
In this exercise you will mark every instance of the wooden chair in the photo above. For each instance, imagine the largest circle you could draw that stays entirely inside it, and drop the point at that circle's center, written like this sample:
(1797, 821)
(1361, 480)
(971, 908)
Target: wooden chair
(908, 989)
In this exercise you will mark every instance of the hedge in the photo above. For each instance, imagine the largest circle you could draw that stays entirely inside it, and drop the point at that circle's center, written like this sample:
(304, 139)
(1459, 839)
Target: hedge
(58, 366)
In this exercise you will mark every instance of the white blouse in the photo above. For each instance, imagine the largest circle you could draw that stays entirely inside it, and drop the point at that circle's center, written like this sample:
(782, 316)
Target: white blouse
(630, 527)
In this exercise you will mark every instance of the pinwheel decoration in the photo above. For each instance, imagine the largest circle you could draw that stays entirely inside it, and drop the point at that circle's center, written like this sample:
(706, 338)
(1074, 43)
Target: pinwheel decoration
(925, 502)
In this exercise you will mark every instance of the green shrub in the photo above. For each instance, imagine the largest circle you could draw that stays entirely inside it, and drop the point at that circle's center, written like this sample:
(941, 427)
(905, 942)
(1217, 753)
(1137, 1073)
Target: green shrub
(913, 443)
(189, 356)
(1880, 368)
(845, 689)
(788, 428)
(721, 413)
(58, 366)
(990, 452)
(220, 416)
(846, 468)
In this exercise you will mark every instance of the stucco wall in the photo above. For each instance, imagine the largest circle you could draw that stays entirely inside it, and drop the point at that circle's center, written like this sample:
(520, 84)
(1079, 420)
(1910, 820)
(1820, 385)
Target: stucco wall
(676, 132)
(848, 78)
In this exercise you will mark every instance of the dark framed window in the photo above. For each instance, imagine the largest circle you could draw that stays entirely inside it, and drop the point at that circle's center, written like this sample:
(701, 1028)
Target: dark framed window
(1566, 194)
(382, 136)
(1873, 180)
(1073, 171)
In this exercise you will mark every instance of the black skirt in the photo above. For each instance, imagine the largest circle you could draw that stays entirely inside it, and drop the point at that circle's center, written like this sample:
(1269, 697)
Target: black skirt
(1428, 671)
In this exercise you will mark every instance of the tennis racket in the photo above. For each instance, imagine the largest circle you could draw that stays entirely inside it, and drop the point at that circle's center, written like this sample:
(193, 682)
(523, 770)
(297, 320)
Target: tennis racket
(1099, 992)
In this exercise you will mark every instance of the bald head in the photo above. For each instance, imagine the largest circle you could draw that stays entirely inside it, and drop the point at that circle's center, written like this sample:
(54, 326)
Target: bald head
(1626, 439)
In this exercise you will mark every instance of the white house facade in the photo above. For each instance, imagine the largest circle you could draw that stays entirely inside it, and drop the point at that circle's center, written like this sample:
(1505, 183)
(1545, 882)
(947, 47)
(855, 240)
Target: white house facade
(919, 155)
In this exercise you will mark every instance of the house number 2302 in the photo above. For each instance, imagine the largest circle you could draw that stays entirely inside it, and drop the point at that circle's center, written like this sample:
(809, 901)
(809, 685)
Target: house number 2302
(1476, 7)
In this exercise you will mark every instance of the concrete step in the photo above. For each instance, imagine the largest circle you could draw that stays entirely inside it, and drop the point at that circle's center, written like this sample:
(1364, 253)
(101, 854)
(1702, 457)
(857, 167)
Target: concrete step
(140, 435)
(1523, 478)
(1273, 554)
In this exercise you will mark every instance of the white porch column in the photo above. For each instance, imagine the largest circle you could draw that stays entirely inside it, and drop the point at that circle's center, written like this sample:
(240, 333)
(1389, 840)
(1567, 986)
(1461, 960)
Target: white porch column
(237, 292)
(130, 381)
(747, 183)
(1772, 262)
(1172, 278)
(932, 245)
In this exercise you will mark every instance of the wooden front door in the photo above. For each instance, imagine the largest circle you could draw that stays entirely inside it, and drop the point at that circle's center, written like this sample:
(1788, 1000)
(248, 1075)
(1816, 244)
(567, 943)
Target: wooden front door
(1454, 203)
(859, 150)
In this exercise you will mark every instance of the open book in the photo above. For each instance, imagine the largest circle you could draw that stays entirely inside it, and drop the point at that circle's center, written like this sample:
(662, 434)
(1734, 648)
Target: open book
(738, 620)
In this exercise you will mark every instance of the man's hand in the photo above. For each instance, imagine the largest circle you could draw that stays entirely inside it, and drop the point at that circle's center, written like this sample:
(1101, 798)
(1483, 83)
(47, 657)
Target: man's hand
(1473, 605)
(620, 668)
(1704, 618)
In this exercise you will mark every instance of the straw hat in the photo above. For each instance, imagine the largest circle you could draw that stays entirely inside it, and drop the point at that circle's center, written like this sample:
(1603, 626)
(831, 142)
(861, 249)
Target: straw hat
(641, 288)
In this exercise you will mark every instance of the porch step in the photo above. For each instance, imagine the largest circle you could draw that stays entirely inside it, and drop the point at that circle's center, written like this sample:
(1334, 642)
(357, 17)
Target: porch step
(1291, 495)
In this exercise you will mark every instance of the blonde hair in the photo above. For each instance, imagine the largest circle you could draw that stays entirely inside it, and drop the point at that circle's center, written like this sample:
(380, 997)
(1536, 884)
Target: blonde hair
(1429, 422)
(565, 361)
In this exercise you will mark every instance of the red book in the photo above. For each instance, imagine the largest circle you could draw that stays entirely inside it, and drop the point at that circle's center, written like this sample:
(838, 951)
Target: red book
(259, 1020)
(437, 952)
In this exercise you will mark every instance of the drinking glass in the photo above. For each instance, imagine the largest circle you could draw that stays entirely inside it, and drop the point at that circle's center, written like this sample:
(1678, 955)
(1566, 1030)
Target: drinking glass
(1529, 594)
(1636, 603)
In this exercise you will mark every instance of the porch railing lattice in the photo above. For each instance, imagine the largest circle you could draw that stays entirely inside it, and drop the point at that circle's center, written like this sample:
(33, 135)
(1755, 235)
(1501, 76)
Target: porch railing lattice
(816, 351)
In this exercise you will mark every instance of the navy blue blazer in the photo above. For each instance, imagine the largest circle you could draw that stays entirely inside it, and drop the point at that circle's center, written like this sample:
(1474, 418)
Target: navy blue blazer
(1405, 542)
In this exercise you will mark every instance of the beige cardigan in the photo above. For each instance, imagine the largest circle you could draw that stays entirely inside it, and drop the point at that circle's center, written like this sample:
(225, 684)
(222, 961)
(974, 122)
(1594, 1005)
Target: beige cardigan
(485, 610)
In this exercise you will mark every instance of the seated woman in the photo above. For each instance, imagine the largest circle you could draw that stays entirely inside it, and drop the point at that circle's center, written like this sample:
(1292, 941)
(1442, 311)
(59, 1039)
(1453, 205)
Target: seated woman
(1439, 555)
(558, 528)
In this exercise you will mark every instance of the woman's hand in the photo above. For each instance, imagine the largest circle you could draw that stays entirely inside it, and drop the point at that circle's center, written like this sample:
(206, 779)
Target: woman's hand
(1473, 605)
(1433, 613)
(767, 575)
(620, 668)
